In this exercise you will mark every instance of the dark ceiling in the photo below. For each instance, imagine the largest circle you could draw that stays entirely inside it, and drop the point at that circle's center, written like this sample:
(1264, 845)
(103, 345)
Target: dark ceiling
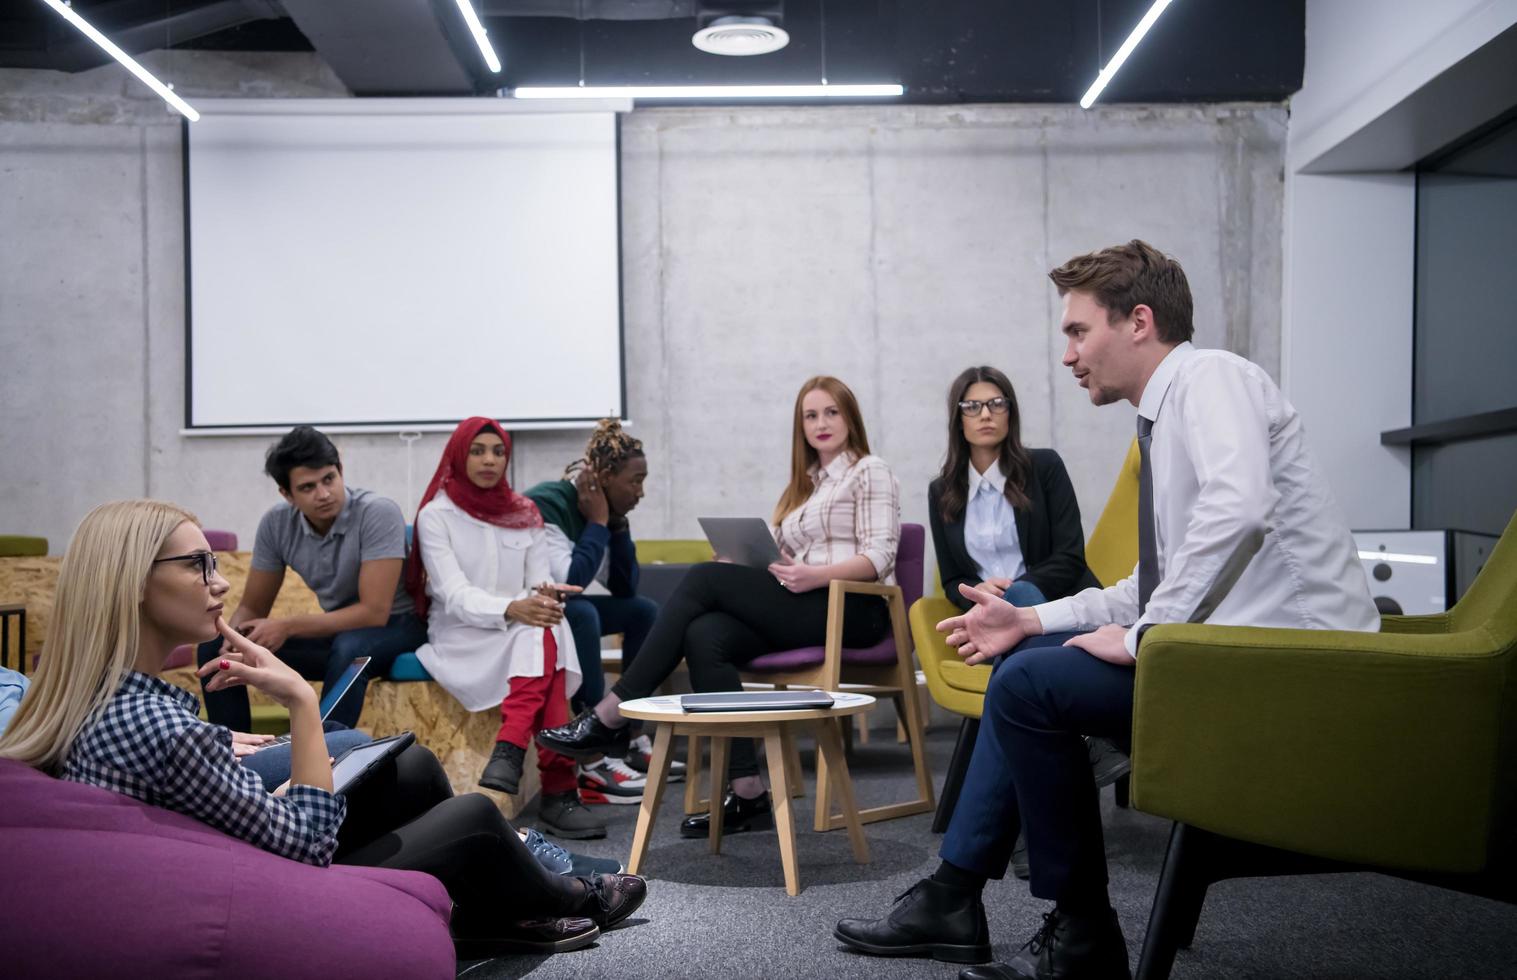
(943, 51)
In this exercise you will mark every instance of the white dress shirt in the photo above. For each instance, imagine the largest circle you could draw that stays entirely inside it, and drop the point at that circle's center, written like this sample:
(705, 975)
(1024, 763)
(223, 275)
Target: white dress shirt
(990, 526)
(474, 571)
(1233, 483)
(854, 510)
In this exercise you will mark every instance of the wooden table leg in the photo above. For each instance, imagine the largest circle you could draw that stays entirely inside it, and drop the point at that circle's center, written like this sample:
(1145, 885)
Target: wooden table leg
(693, 802)
(784, 818)
(837, 766)
(653, 794)
(719, 745)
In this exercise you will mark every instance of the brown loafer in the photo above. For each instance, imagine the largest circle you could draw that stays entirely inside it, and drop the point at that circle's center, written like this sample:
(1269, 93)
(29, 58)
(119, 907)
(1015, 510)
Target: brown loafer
(546, 935)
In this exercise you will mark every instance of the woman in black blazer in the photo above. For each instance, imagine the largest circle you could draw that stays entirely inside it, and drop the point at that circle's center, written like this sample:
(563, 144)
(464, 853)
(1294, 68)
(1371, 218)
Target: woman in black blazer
(1046, 559)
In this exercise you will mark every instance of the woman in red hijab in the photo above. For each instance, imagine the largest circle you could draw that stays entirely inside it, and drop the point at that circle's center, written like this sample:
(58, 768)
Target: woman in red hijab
(479, 574)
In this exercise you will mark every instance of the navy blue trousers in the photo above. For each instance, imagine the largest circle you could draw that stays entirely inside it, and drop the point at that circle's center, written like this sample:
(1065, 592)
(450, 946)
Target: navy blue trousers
(594, 616)
(1031, 767)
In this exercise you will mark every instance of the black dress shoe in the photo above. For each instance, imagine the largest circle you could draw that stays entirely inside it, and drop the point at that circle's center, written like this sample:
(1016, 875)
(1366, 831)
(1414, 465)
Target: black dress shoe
(1087, 947)
(546, 935)
(738, 815)
(586, 737)
(930, 919)
(990, 971)
(611, 898)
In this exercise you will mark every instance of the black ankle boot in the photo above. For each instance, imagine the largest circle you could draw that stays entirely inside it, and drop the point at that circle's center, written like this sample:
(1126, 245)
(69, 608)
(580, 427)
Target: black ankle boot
(503, 772)
(930, 919)
(1087, 947)
(738, 815)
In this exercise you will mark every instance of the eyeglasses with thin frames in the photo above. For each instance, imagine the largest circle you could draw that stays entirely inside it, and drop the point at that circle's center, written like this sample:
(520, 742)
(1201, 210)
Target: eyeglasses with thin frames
(997, 406)
(205, 559)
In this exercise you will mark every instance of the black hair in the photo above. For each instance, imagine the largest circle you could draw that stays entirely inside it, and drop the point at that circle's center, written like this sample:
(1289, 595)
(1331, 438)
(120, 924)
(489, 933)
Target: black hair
(301, 446)
(608, 451)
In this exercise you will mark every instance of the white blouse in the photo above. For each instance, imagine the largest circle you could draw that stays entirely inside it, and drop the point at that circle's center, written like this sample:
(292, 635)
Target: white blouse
(990, 526)
(474, 571)
(854, 510)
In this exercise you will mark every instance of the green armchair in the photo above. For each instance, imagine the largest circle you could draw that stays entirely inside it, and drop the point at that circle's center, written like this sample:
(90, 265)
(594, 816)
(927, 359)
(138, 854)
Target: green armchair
(1316, 751)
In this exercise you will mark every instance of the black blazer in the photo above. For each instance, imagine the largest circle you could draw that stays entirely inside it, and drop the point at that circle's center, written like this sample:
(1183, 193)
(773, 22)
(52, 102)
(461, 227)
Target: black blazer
(1053, 543)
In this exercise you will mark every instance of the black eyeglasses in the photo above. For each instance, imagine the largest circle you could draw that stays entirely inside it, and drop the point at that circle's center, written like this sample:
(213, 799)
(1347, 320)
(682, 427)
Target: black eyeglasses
(205, 559)
(997, 406)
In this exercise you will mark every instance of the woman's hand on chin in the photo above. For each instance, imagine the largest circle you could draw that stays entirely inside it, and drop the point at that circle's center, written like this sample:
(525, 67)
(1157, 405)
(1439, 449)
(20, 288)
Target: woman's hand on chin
(243, 662)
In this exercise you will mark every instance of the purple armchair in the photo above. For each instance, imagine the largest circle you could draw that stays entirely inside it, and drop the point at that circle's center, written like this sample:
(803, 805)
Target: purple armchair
(887, 668)
(98, 884)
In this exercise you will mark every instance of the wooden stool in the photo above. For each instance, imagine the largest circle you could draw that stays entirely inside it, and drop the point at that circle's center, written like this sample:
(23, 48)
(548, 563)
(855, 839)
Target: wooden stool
(777, 729)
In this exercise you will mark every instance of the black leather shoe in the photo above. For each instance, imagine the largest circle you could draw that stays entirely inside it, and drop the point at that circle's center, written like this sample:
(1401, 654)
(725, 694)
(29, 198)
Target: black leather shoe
(529, 936)
(738, 815)
(1087, 947)
(930, 919)
(1107, 762)
(503, 771)
(611, 898)
(586, 737)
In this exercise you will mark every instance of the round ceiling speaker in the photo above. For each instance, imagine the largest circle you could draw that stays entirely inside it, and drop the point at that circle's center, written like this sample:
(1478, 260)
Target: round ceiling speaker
(740, 36)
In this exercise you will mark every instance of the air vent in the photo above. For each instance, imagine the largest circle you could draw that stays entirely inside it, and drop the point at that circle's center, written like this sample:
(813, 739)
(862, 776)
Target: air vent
(740, 36)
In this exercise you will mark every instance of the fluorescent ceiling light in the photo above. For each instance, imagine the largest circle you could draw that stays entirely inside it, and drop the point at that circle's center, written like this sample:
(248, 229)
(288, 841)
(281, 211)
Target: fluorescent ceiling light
(1393, 556)
(709, 92)
(478, 30)
(131, 65)
(1110, 71)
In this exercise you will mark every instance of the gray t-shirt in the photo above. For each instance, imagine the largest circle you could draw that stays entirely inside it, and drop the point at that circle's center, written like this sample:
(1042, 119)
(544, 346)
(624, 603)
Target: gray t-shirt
(369, 527)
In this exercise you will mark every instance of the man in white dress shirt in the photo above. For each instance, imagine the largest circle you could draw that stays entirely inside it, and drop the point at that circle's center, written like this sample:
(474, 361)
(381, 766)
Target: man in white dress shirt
(1236, 527)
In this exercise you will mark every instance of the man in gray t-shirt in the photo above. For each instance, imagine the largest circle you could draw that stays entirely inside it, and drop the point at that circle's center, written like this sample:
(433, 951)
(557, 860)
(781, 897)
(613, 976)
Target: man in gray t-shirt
(349, 546)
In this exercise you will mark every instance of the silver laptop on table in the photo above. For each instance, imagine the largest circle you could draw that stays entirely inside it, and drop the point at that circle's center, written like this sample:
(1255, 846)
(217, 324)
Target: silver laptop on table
(744, 540)
(756, 701)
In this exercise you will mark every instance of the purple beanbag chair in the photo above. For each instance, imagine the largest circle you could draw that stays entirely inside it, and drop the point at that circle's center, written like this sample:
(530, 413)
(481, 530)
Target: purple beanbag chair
(95, 884)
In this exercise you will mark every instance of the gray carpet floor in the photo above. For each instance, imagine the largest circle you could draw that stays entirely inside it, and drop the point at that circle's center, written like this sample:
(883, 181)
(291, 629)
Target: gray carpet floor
(727, 915)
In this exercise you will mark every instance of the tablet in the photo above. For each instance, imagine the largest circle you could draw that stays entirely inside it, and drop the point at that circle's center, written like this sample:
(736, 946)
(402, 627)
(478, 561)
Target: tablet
(744, 540)
(356, 764)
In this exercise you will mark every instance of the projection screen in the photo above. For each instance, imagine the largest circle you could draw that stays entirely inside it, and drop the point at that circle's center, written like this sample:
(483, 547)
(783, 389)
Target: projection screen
(390, 264)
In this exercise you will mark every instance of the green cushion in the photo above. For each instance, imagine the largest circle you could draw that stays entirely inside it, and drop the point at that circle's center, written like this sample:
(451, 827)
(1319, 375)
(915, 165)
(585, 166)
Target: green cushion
(22, 546)
(673, 552)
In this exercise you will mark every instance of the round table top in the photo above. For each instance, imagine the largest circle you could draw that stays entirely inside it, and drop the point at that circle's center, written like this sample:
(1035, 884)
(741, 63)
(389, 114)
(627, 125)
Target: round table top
(667, 708)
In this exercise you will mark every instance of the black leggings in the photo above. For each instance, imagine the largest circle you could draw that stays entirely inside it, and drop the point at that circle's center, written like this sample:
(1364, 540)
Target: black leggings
(722, 616)
(406, 816)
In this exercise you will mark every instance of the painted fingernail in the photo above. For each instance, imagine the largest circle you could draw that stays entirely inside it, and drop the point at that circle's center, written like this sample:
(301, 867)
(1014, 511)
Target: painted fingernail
(225, 664)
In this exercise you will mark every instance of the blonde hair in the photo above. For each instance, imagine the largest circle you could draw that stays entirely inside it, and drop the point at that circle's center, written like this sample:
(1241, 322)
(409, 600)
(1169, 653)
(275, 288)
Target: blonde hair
(94, 630)
(802, 456)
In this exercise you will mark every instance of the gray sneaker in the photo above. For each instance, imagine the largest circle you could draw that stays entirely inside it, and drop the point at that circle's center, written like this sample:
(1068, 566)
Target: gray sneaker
(562, 862)
(565, 816)
(503, 772)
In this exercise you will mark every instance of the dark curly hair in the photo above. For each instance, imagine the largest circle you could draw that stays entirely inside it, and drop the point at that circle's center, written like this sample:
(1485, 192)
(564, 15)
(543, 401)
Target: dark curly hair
(608, 450)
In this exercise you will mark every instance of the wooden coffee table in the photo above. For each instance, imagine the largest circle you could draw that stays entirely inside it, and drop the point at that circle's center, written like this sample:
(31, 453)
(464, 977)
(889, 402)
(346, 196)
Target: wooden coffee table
(777, 729)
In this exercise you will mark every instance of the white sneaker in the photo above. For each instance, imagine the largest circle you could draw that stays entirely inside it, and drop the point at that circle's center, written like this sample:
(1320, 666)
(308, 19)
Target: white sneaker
(611, 781)
(640, 753)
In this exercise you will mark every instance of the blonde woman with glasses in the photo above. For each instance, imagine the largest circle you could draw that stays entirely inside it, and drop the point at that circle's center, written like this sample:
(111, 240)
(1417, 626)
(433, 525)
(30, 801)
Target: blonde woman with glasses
(139, 579)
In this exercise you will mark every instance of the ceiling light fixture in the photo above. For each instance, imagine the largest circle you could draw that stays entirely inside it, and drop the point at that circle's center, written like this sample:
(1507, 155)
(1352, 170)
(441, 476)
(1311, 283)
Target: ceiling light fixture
(1126, 49)
(127, 61)
(676, 92)
(478, 30)
(740, 36)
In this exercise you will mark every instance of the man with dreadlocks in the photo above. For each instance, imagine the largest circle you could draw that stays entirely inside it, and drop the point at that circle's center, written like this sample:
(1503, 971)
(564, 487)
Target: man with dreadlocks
(589, 540)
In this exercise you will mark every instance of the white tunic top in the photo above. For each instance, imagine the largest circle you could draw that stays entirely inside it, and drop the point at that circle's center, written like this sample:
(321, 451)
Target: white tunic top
(474, 571)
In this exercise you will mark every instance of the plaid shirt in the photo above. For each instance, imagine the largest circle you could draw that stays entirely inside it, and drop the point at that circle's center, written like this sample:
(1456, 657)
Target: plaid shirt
(149, 743)
(855, 510)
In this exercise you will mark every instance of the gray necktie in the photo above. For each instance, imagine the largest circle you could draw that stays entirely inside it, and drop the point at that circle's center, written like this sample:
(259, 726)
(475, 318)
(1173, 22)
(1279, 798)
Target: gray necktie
(1148, 539)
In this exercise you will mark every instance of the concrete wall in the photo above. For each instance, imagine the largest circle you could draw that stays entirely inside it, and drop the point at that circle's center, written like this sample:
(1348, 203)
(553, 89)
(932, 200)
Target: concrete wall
(890, 245)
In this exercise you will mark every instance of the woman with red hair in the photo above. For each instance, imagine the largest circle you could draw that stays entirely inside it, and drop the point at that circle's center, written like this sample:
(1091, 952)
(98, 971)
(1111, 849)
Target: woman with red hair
(479, 575)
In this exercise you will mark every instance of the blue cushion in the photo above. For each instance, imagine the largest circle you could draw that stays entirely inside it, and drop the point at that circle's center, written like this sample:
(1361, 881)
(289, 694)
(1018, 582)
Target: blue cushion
(408, 668)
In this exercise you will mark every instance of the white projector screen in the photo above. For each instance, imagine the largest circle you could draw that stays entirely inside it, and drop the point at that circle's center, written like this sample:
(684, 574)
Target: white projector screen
(401, 264)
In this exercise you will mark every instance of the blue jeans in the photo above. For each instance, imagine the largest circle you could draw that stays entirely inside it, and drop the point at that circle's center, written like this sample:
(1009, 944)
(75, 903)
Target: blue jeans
(1031, 768)
(273, 763)
(324, 659)
(1024, 593)
(594, 616)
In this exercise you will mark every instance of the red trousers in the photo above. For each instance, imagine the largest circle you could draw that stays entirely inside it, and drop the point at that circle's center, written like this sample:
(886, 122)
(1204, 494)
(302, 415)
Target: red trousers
(535, 703)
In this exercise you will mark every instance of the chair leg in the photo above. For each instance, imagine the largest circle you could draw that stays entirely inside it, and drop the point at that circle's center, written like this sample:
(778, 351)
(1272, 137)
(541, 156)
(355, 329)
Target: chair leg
(1177, 903)
(963, 749)
(1122, 787)
(693, 802)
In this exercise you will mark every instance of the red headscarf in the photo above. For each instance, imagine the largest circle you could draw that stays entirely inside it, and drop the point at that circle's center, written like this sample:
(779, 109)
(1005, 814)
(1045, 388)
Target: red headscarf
(499, 505)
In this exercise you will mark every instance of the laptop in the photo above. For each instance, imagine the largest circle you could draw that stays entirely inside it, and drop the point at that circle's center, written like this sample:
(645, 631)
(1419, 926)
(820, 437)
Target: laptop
(744, 540)
(756, 701)
(330, 698)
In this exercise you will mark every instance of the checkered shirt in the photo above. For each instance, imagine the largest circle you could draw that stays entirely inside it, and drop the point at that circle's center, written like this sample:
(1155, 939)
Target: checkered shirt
(149, 743)
(854, 510)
